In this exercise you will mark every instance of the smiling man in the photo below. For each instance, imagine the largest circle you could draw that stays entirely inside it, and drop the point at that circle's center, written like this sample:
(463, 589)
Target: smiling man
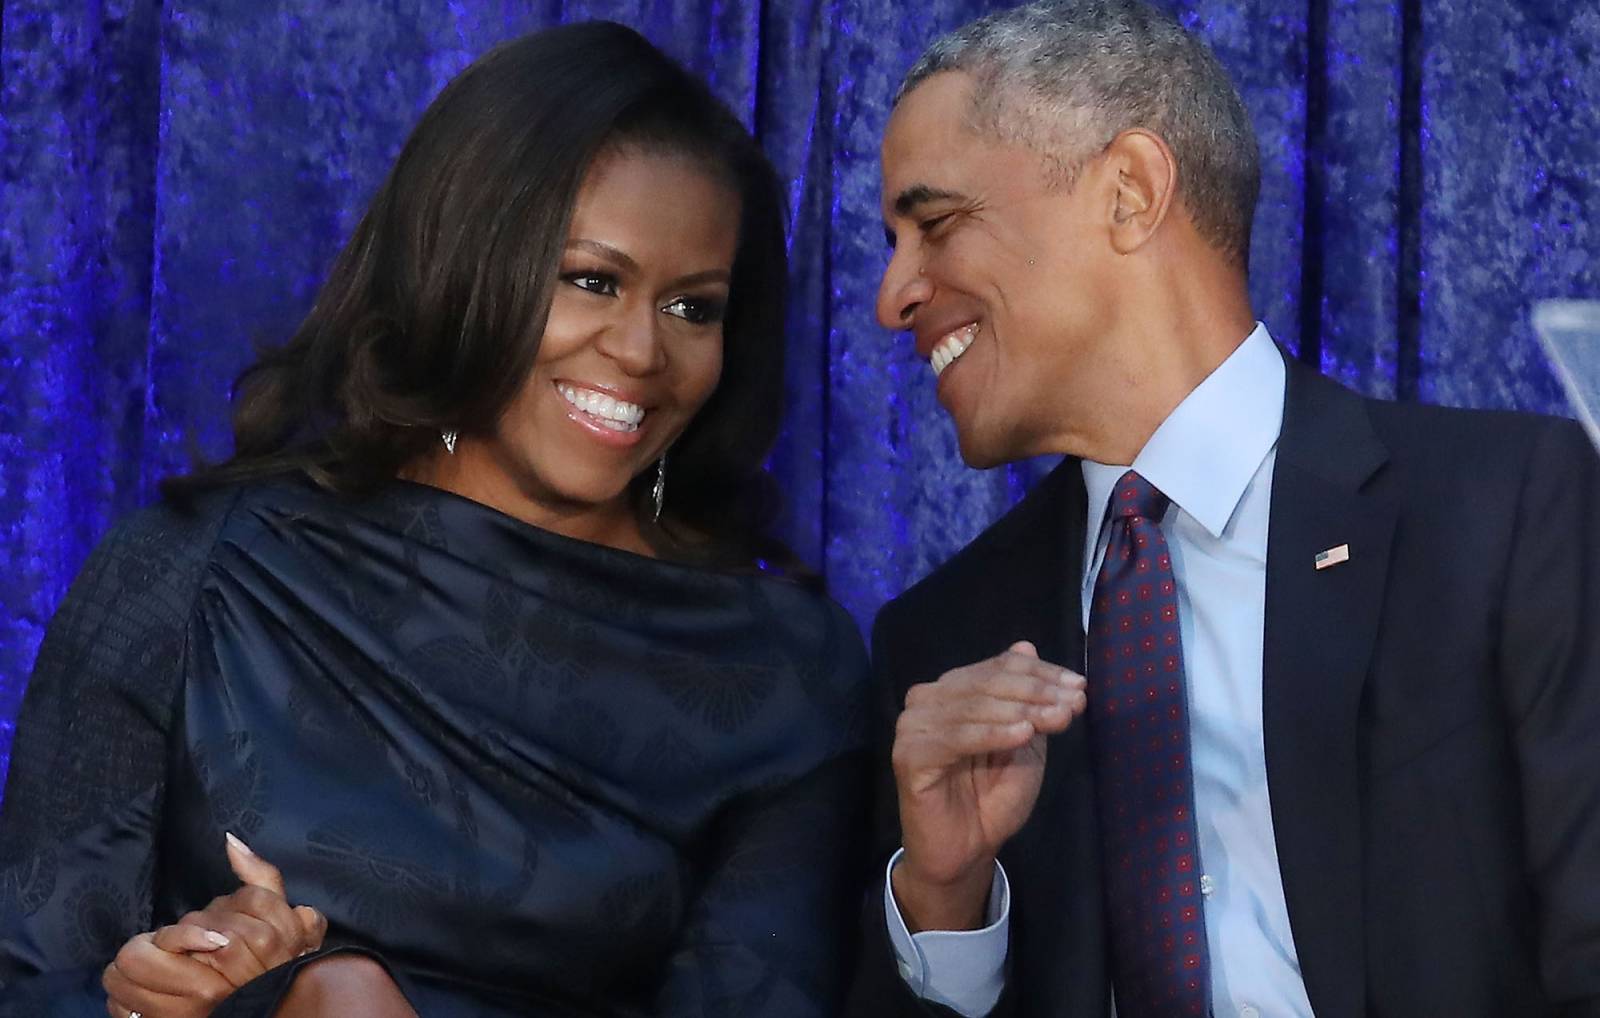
(1272, 699)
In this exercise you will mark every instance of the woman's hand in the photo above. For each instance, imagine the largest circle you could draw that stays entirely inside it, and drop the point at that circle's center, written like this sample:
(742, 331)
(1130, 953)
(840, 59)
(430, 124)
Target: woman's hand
(186, 969)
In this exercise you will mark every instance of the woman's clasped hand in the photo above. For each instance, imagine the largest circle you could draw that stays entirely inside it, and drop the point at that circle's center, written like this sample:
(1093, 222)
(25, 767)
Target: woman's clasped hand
(186, 968)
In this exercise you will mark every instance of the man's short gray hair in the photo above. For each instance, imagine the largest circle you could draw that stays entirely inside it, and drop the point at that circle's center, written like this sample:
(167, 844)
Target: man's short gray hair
(1065, 77)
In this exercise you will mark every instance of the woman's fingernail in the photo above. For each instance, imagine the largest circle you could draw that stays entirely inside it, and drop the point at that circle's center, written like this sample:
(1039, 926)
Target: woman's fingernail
(220, 939)
(236, 843)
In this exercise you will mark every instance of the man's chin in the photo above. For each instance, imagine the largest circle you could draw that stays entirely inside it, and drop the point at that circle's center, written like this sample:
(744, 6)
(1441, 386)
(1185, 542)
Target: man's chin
(979, 454)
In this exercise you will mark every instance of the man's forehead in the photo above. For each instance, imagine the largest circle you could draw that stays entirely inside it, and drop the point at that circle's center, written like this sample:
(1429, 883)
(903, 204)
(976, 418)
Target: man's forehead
(937, 110)
(927, 132)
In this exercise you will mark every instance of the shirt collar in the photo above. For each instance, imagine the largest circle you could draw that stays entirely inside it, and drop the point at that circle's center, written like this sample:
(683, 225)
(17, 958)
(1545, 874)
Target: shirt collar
(1204, 454)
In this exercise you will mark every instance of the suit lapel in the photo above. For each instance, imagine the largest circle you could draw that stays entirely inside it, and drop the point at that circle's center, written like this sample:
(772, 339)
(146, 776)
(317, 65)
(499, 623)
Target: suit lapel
(1320, 628)
(1039, 551)
(1057, 600)
(1057, 912)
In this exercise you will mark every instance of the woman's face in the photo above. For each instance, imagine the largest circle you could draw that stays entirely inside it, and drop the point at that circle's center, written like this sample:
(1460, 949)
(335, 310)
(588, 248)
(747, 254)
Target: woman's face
(632, 350)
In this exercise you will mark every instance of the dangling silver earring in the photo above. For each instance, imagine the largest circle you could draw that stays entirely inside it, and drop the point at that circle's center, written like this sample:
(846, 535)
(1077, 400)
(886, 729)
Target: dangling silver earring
(658, 491)
(449, 437)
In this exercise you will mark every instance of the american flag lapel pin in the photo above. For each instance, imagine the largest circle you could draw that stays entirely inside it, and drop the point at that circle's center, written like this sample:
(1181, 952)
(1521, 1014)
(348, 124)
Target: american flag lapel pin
(1333, 556)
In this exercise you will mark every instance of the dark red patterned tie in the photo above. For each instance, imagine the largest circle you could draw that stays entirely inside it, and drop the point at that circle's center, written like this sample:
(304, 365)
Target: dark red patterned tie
(1139, 731)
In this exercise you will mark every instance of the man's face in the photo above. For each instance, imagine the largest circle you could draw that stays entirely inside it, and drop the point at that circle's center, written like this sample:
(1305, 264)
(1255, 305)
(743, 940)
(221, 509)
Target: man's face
(995, 266)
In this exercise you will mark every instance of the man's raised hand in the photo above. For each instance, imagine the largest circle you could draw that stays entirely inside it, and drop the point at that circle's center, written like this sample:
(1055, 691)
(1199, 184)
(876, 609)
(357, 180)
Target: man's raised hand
(969, 754)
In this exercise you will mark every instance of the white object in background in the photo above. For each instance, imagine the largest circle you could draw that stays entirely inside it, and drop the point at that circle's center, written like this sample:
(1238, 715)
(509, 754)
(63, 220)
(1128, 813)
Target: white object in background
(1569, 330)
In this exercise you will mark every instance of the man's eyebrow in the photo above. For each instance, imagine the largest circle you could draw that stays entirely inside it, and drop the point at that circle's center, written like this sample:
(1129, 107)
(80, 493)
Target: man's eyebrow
(921, 194)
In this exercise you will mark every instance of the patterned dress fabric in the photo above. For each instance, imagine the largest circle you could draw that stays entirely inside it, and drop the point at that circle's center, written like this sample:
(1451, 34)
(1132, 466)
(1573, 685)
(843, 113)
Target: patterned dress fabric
(536, 776)
(1139, 728)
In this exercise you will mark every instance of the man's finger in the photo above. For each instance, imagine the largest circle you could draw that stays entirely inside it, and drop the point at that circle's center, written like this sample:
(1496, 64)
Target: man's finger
(924, 752)
(1028, 664)
(1049, 713)
(1058, 717)
(251, 868)
(1044, 685)
(1014, 663)
(935, 718)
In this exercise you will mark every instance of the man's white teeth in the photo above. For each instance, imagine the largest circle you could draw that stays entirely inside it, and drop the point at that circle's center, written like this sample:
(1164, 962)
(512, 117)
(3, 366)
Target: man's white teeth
(616, 414)
(951, 347)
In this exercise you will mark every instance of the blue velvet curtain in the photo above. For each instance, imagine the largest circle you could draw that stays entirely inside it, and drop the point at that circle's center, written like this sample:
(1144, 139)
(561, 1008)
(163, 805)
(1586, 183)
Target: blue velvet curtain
(177, 175)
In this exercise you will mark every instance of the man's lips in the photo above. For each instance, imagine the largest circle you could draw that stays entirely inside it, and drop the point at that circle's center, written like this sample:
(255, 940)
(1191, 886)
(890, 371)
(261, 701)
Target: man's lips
(928, 337)
(951, 346)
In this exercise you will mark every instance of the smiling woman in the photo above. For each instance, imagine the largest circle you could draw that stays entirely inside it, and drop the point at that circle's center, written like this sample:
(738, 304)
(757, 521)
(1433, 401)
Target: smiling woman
(632, 349)
(495, 706)
(618, 211)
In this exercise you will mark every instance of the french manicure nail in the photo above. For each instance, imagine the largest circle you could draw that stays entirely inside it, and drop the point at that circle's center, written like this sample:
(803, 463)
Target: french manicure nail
(220, 939)
(236, 843)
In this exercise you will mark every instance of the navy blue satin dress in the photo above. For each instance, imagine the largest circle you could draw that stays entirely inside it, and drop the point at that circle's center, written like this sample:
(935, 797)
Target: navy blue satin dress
(536, 776)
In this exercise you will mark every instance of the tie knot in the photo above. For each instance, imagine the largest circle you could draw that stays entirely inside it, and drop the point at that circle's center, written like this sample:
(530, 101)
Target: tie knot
(1135, 496)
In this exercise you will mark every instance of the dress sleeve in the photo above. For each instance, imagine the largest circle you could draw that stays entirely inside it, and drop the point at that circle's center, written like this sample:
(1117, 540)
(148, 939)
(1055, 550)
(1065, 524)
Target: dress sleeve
(84, 793)
(772, 931)
(1550, 672)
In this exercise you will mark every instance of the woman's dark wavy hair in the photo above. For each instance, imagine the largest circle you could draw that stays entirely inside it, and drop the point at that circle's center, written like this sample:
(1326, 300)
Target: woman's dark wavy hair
(432, 314)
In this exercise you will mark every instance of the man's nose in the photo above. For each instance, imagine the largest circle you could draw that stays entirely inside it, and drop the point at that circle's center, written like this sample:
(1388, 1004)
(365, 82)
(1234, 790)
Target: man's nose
(903, 290)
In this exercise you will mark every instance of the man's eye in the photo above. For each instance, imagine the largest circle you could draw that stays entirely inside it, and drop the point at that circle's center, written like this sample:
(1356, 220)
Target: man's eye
(696, 310)
(594, 282)
(933, 224)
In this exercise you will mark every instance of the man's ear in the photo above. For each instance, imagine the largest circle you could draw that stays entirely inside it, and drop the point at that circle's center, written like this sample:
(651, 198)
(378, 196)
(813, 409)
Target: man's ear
(1146, 181)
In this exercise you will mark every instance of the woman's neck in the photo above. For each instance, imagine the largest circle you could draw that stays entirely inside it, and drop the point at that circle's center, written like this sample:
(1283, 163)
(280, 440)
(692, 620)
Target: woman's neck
(613, 524)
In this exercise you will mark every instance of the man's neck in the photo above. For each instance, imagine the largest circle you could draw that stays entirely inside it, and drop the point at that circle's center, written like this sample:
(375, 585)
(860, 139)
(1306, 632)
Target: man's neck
(1158, 367)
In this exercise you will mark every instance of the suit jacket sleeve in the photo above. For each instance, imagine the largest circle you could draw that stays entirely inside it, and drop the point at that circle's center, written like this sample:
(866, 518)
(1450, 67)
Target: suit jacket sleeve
(1550, 668)
(878, 991)
(84, 793)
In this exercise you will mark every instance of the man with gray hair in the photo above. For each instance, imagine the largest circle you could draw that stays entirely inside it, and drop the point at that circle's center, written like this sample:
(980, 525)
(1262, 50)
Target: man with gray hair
(1295, 700)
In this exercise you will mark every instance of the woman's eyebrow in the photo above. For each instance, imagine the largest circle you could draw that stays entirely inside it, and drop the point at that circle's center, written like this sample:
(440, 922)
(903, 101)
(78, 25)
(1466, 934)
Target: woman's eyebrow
(604, 250)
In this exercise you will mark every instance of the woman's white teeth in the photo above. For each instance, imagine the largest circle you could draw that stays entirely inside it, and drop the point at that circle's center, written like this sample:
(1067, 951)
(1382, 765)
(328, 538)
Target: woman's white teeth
(951, 347)
(616, 414)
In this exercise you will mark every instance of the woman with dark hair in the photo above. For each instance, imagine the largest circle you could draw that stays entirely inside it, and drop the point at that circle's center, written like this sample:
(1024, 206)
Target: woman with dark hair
(479, 635)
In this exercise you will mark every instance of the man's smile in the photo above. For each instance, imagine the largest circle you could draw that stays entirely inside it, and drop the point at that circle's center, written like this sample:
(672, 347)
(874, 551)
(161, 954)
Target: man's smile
(951, 346)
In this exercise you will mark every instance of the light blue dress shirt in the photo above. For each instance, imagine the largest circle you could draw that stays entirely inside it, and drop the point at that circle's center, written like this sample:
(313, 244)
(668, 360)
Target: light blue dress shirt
(1213, 457)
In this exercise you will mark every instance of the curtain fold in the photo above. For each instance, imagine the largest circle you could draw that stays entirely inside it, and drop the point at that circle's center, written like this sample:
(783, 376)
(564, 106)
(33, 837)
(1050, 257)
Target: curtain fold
(178, 175)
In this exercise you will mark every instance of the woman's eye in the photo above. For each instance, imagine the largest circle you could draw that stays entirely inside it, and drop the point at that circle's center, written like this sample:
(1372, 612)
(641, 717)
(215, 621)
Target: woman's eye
(594, 282)
(696, 310)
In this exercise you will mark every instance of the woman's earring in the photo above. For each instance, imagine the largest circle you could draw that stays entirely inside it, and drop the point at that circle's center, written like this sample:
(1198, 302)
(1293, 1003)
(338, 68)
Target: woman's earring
(449, 437)
(658, 491)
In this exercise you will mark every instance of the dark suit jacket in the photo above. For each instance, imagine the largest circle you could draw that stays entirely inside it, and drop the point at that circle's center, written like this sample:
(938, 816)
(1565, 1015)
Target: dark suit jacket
(1431, 708)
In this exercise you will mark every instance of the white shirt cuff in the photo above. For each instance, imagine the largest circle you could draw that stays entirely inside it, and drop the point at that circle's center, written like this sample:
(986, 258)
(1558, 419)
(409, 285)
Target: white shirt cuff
(963, 970)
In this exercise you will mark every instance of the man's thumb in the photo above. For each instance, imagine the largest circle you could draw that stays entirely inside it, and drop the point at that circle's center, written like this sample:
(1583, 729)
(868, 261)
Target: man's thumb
(252, 869)
(1024, 647)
